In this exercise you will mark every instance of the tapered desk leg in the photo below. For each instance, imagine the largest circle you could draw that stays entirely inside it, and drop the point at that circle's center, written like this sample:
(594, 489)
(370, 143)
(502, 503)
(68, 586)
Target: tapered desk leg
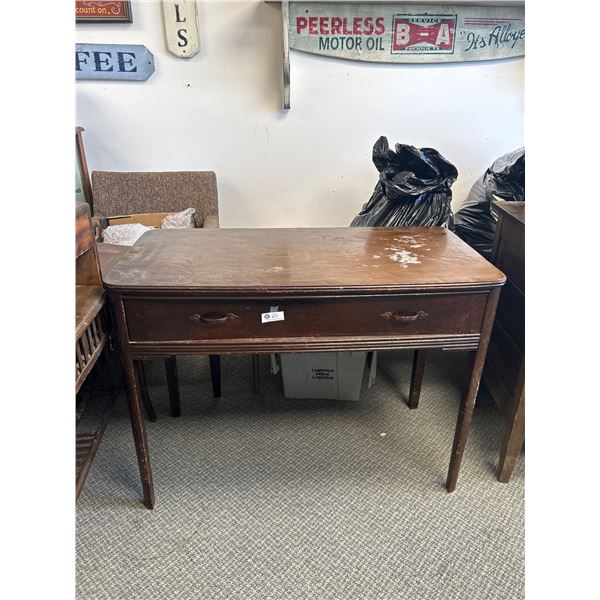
(513, 441)
(144, 392)
(467, 403)
(134, 400)
(416, 379)
(173, 386)
(215, 374)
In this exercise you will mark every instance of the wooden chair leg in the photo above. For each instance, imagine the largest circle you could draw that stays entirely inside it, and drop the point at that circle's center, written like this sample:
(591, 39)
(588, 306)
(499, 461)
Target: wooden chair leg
(513, 442)
(148, 408)
(416, 379)
(256, 374)
(215, 374)
(173, 386)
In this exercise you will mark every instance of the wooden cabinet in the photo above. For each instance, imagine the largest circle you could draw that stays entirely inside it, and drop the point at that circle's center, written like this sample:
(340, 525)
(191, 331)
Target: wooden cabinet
(504, 373)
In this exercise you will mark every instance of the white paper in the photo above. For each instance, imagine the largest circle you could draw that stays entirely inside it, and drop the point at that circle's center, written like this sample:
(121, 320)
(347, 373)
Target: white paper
(268, 317)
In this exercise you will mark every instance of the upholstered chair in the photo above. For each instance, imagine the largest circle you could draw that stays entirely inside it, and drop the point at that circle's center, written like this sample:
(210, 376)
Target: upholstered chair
(123, 193)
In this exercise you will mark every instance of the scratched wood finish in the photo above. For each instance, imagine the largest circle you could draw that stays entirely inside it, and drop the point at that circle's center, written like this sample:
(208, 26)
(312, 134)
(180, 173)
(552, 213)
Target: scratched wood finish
(108, 255)
(171, 284)
(301, 261)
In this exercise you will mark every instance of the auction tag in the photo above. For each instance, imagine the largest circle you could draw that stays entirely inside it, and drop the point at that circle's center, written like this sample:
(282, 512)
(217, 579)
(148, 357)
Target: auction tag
(274, 315)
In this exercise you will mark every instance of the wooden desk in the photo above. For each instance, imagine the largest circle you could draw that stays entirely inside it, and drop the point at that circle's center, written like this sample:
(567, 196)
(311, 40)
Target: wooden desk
(204, 291)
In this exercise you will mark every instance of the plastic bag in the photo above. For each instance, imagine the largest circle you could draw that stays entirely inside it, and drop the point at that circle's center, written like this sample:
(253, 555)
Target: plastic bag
(124, 235)
(413, 188)
(475, 221)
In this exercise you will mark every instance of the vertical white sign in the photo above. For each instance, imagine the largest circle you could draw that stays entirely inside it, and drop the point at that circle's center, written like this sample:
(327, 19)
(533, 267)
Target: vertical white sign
(181, 27)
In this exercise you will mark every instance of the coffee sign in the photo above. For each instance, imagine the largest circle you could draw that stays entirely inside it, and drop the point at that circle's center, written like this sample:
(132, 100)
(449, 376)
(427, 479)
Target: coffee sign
(113, 61)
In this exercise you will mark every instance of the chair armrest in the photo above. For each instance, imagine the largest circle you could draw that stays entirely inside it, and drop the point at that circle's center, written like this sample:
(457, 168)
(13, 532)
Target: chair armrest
(211, 222)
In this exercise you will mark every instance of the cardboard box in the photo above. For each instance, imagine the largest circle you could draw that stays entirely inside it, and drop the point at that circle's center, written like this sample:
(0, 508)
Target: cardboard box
(326, 375)
(149, 219)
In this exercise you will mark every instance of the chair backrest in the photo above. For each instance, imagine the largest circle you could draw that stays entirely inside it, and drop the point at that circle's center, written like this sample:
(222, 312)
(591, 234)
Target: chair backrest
(122, 193)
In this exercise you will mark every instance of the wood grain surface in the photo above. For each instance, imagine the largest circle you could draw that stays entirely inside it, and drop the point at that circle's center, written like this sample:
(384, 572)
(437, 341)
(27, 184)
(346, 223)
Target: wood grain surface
(109, 254)
(301, 261)
(89, 300)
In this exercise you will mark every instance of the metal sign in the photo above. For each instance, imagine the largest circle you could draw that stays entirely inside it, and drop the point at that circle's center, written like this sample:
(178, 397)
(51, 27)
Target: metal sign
(181, 27)
(407, 33)
(113, 61)
(395, 32)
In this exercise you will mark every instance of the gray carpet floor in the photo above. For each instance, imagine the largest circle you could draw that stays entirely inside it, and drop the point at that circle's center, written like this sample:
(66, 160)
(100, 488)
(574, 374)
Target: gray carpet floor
(269, 498)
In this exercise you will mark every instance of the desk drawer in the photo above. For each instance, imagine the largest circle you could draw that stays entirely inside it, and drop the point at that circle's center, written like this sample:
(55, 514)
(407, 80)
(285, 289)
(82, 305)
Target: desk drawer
(210, 319)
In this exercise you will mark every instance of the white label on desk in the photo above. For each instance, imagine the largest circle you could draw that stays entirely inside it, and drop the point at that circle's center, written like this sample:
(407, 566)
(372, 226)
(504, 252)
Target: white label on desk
(276, 315)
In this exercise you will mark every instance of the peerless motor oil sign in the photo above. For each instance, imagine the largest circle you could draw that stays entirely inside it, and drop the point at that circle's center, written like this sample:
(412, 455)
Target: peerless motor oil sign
(396, 33)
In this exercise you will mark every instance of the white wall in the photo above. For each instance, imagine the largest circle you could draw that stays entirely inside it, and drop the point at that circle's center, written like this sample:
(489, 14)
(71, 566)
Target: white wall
(310, 166)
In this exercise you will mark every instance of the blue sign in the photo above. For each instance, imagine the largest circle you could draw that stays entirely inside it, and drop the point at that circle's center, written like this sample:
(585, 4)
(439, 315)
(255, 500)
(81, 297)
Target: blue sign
(113, 61)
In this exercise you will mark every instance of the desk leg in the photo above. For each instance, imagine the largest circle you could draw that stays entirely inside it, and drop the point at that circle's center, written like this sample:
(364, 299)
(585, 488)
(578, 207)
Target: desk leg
(134, 400)
(215, 374)
(513, 441)
(416, 378)
(173, 386)
(144, 392)
(467, 403)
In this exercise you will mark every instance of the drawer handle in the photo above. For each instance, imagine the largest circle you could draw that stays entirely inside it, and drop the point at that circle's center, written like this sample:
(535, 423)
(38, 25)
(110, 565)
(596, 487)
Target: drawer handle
(213, 318)
(404, 316)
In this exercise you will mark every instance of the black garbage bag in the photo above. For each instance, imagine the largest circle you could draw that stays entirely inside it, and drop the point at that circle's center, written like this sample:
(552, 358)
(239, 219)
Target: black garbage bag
(413, 188)
(475, 221)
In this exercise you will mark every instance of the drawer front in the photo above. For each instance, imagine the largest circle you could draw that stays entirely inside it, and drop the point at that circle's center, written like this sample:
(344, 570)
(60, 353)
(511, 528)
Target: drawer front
(214, 319)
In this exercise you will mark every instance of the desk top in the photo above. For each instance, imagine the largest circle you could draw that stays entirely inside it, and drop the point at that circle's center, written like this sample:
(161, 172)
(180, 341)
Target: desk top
(272, 261)
(109, 254)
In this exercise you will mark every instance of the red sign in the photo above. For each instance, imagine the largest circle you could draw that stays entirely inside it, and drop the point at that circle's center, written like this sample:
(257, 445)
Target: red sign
(90, 10)
(423, 34)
